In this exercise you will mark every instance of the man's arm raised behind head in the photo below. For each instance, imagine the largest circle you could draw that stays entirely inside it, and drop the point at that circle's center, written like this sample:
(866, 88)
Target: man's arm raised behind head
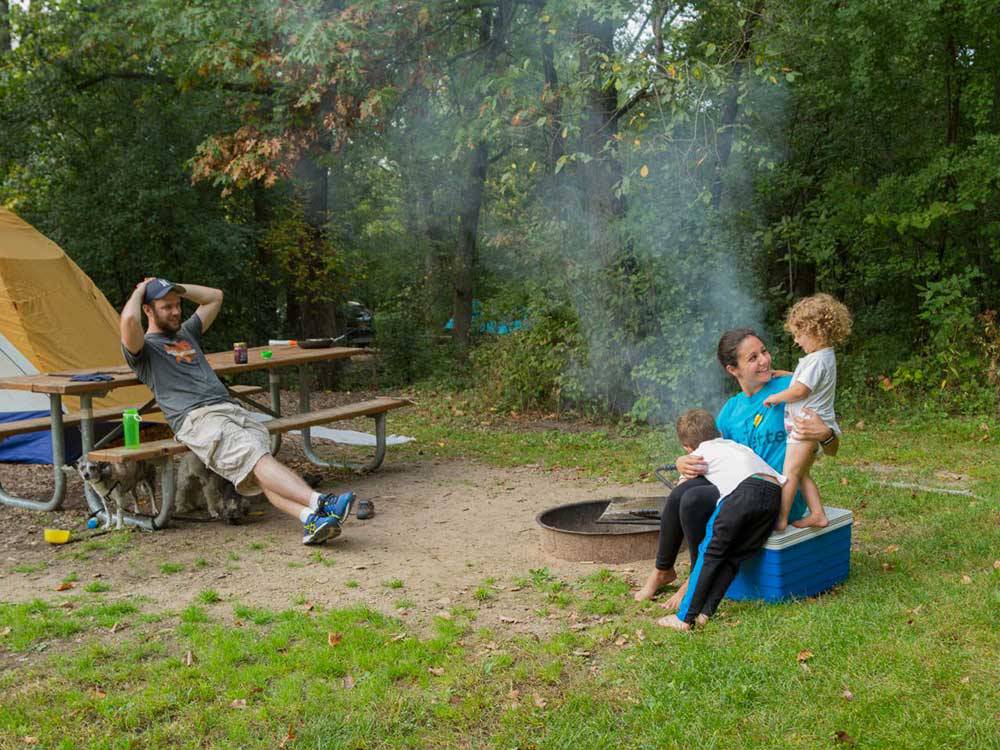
(130, 323)
(209, 302)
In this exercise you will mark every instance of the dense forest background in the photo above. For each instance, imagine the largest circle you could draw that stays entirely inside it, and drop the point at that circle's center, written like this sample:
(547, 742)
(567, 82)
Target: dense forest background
(627, 178)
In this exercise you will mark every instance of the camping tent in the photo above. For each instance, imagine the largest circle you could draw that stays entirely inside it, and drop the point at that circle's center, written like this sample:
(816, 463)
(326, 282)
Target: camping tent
(52, 318)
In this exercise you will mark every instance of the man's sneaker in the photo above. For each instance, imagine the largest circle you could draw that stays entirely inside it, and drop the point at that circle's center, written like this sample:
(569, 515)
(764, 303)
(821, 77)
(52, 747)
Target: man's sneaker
(336, 506)
(317, 529)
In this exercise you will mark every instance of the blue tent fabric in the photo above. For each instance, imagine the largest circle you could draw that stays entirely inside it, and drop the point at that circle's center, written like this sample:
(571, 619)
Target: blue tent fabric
(35, 447)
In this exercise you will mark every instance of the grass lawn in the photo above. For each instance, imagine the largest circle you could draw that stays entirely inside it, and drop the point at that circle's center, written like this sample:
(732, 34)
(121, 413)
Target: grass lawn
(906, 654)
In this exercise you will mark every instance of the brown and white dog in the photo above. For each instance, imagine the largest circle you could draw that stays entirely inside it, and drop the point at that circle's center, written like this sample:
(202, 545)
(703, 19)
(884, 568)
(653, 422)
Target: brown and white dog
(119, 483)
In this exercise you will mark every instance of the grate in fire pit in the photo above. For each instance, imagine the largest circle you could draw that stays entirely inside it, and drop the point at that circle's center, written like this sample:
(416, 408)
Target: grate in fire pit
(571, 532)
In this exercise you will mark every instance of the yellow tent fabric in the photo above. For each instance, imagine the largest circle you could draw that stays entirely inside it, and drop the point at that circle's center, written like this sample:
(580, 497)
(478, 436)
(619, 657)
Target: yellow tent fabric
(53, 313)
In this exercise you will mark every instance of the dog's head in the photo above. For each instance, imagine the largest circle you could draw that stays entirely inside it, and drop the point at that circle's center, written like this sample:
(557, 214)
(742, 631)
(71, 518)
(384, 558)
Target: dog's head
(92, 471)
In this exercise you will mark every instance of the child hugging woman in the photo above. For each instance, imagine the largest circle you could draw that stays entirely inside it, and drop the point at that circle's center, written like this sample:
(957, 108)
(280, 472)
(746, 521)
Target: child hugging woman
(818, 324)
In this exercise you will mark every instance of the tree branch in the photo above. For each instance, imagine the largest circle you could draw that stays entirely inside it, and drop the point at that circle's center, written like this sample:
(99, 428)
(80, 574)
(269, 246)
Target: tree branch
(129, 75)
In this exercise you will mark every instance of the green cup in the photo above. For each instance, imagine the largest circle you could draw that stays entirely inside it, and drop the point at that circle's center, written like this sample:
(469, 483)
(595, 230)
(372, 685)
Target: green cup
(130, 426)
(266, 354)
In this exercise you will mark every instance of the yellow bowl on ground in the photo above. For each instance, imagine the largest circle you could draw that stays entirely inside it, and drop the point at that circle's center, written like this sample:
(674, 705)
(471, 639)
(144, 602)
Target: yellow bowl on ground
(56, 536)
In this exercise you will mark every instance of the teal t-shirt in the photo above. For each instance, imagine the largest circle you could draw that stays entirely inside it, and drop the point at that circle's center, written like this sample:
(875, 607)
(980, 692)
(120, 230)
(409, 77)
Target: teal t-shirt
(768, 439)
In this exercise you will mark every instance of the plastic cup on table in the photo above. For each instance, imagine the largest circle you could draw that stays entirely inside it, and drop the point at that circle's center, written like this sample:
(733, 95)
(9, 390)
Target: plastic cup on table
(266, 354)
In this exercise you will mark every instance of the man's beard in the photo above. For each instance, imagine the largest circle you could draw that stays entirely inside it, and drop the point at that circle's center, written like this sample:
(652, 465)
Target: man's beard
(166, 324)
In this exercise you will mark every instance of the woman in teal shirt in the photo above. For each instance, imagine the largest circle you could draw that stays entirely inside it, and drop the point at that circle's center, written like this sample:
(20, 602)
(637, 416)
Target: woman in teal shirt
(743, 419)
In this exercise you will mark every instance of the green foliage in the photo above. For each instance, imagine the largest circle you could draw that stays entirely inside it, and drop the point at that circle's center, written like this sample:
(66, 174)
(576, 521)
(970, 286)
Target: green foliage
(524, 370)
(658, 187)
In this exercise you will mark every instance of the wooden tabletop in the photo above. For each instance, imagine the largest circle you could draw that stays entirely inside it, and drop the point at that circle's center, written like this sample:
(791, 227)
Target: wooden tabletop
(222, 362)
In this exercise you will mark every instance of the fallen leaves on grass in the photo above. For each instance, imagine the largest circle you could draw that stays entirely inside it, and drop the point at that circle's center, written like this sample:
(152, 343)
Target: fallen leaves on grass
(116, 627)
(349, 682)
(309, 606)
(539, 700)
(996, 565)
(239, 703)
(580, 652)
(5, 632)
(65, 586)
(886, 567)
(436, 671)
(189, 659)
(397, 637)
(29, 740)
(289, 737)
(847, 695)
(98, 693)
(334, 639)
(803, 656)
(965, 680)
(966, 579)
(843, 737)
(891, 548)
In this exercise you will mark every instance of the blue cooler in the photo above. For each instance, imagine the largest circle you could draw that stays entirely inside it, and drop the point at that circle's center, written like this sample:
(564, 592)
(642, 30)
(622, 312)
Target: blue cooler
(798, 562)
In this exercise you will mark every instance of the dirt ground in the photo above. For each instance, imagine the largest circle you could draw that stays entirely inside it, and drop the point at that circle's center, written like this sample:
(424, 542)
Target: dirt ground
(441, 527)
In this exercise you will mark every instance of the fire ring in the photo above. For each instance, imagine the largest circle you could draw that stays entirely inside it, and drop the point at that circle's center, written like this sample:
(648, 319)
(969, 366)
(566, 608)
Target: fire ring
(571, 532)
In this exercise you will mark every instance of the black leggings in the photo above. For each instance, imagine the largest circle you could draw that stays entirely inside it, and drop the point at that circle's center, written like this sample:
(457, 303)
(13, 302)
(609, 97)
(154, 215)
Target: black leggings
(685, 514)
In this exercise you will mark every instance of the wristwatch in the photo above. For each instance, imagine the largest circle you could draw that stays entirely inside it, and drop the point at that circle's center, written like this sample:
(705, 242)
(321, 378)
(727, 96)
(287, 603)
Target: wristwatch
(833, 436)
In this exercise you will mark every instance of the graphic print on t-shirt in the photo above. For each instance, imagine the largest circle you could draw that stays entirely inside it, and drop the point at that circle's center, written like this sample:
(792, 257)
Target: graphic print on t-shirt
(182, 352)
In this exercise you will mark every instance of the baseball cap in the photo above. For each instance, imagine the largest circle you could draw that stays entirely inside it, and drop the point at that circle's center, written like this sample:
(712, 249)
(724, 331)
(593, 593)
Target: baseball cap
(159, 288)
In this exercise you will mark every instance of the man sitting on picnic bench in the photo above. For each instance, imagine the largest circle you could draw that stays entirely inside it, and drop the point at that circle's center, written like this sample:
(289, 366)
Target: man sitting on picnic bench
(168, 358)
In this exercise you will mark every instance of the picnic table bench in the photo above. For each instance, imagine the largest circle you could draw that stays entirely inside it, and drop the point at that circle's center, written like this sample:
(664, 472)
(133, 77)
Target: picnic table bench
(223, 364)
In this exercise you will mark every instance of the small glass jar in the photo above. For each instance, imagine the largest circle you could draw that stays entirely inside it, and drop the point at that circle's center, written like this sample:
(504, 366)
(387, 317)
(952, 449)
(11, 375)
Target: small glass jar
(240, 353)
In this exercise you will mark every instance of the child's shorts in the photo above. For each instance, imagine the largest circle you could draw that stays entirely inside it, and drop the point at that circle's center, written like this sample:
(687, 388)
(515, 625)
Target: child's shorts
(792, 440)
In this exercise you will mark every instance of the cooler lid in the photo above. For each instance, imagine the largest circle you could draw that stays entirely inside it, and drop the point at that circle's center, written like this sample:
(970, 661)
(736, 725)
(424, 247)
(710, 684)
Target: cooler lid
(791, 536)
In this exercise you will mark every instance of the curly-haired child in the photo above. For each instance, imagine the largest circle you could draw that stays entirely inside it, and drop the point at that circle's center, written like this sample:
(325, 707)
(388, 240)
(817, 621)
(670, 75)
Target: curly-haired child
(818, 323)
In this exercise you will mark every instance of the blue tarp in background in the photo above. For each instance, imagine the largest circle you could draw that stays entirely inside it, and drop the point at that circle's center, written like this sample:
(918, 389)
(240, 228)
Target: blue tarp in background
(35, 447)
(497, 328)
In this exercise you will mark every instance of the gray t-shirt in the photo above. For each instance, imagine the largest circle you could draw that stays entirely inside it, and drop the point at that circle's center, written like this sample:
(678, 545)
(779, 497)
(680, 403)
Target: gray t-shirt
(175, 370)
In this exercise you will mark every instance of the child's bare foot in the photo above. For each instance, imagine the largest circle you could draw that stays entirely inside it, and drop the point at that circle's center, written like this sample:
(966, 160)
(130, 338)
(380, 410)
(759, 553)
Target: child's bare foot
(674, 623)
(819, 520)
(780, 525)
(657, 580)
(701, 619)
(674, 602)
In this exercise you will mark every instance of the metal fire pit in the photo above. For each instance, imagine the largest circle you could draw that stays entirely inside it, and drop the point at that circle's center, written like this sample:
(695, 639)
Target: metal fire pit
(571, 532)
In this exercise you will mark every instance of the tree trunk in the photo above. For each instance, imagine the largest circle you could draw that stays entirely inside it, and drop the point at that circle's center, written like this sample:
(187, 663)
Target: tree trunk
(309, 316)
(599, 124)
(492, 37)
(5, 43)
(465, 254)
(730, 107)
(552, 103)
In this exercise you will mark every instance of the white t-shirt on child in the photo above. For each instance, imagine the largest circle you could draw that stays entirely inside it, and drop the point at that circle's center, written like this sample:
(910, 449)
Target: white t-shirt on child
(818, 372)
(729, 463)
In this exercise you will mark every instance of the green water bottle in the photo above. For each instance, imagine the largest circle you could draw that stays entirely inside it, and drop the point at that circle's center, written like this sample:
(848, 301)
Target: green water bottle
(130, 425)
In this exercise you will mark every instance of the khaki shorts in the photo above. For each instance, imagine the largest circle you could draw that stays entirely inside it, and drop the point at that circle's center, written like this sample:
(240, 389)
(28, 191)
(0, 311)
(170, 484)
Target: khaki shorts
(229, 441)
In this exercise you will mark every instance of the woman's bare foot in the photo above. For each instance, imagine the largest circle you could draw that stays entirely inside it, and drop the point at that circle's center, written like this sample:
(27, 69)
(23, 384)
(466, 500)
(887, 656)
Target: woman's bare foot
(657, 580)
(819, 520)
(780, 525)
(674, 602)
(674, 623)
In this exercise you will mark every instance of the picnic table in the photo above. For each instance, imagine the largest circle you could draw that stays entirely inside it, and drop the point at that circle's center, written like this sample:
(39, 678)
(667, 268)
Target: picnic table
(58, 385)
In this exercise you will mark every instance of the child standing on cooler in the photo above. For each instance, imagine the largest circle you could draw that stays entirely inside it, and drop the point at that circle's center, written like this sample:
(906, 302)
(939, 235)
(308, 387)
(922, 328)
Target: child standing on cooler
(818, 323)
